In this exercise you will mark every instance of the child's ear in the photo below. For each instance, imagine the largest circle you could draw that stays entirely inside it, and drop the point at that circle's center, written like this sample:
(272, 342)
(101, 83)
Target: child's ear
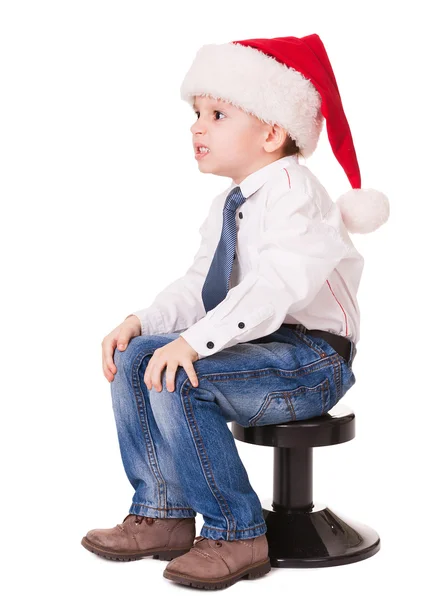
(276, 136)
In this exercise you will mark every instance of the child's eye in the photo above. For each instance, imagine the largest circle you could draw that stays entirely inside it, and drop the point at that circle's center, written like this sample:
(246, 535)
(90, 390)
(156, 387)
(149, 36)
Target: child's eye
(215, 111)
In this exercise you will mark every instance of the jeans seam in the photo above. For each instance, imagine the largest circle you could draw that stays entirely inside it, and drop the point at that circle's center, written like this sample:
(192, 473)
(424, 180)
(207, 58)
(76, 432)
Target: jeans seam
(164, 509)
(268, 371)
(337, 369)
(227, 530)
(289, 405)
(142, 414)
(194, 430)
(159, 513)
(301, 335)
(325, 388)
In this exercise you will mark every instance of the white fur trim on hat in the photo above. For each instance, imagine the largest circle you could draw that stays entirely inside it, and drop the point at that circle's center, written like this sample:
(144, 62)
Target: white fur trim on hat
(260, 85)
(363, 210)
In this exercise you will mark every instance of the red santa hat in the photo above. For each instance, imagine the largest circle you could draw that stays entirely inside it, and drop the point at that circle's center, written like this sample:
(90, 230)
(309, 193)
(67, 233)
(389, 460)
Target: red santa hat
(289, 81)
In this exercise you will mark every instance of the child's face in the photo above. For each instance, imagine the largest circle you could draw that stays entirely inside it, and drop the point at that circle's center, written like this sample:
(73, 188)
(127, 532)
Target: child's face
(239, 143)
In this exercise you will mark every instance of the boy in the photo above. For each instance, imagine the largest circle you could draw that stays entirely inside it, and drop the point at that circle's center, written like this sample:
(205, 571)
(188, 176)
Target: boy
(264, 323)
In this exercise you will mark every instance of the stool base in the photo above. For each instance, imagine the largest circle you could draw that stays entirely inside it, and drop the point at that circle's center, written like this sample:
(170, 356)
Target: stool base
(316, 538)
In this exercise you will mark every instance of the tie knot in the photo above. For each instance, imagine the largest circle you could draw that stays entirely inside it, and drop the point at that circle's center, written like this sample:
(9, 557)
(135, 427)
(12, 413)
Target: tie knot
(234, 199)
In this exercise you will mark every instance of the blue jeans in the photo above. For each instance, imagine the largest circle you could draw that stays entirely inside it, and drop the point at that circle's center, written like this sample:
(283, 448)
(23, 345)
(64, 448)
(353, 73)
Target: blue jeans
(177, 449)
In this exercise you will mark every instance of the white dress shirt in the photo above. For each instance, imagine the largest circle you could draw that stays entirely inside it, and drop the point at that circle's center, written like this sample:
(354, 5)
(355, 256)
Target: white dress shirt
(294, 263)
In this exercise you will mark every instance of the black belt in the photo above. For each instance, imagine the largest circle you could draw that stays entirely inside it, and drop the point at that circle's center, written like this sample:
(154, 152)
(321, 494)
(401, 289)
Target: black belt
(339, 343)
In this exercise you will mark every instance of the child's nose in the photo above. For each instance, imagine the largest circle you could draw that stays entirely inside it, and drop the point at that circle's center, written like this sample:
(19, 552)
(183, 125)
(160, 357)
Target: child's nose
(198, 127)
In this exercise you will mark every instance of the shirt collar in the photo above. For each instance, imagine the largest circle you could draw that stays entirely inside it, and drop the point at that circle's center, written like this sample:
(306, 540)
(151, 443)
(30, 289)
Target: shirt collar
(258, 178)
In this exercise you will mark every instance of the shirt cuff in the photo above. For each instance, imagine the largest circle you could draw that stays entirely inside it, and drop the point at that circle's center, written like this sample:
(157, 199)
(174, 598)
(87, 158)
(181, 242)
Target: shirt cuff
(208, 337)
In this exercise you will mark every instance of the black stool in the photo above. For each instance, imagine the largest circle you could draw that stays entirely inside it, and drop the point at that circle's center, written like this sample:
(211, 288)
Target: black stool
(300, 533)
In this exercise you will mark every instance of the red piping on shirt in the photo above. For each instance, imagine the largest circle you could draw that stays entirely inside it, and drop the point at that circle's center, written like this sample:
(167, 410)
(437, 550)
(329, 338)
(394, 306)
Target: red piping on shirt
(290, 185)
(345, 316)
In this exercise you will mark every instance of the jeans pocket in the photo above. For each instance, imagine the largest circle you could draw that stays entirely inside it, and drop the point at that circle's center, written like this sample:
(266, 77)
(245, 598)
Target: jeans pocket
(304, 402)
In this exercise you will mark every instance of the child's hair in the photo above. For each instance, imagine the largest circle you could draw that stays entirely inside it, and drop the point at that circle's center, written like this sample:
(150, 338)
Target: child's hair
(290, 147)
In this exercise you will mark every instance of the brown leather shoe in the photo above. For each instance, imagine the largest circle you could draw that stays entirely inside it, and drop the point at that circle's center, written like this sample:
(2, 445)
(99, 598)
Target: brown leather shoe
(141, 536)
(215, 564)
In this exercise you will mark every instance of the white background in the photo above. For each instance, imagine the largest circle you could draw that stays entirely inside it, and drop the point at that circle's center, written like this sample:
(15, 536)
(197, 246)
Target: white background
(101, 201)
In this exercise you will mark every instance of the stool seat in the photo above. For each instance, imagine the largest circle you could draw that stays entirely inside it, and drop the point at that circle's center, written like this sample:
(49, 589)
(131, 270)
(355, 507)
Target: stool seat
(335, 427)
(299, 532)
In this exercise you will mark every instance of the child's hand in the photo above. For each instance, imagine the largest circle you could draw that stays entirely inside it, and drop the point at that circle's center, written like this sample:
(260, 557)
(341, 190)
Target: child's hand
(120, 336)
(172, 355)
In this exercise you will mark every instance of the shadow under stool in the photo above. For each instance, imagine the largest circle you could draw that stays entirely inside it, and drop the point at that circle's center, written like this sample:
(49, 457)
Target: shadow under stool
(299, 532)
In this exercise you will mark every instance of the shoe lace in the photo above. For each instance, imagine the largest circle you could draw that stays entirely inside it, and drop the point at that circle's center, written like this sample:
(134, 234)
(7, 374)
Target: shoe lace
(138, 519)
(200, 538)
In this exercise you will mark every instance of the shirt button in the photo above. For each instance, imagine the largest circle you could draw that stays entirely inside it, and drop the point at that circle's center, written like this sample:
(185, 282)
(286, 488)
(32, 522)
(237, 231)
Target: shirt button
(241, 325)
(210, 344)
(240, 215)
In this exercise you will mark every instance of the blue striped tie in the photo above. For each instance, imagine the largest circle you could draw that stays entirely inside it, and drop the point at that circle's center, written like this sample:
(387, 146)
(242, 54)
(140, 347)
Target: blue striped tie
(216, 285)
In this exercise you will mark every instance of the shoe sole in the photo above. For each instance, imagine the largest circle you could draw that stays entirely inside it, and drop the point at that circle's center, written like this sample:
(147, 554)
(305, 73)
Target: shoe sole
(258, 570)
(158, 553)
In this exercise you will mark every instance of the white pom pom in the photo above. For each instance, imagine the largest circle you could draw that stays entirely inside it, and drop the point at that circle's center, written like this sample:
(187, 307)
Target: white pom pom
(363, 211)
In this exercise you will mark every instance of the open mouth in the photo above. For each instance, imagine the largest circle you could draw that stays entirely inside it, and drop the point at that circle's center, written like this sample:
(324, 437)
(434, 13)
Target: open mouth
(201, 151)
